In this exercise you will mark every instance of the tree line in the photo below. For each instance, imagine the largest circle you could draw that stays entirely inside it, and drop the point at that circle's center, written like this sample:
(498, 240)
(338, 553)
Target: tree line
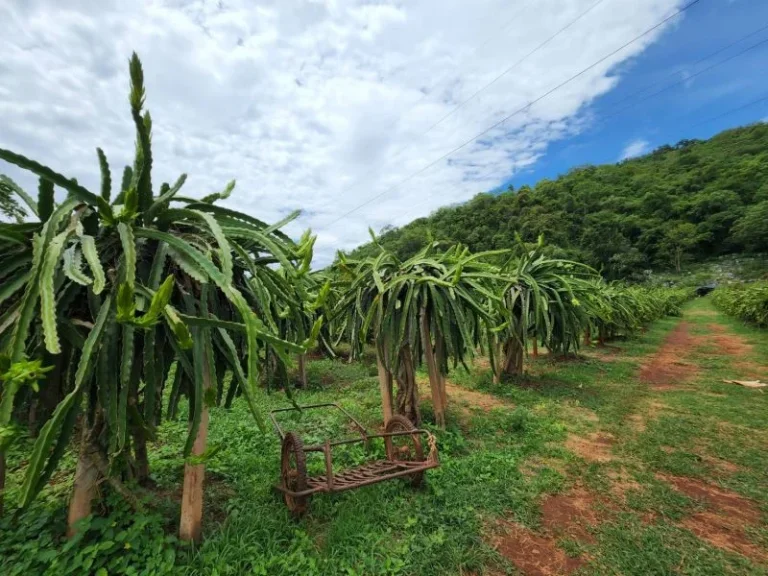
(680, 203)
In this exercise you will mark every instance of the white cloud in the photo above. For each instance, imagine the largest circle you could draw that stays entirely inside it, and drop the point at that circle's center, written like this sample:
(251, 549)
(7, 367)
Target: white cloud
(313, 104)
(635, 148)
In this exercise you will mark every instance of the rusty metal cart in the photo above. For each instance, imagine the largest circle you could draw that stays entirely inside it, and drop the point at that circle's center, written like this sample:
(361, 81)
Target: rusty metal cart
(404, 459)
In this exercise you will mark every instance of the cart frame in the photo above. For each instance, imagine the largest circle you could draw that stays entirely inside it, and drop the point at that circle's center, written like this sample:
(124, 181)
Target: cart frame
(372, 473)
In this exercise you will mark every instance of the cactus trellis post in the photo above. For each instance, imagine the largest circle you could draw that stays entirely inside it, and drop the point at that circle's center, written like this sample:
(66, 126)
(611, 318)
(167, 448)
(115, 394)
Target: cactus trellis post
(435, 378)
(385, 388)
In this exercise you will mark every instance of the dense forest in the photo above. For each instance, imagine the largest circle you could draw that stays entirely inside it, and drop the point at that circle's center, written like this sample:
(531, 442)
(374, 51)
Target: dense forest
(680, 203)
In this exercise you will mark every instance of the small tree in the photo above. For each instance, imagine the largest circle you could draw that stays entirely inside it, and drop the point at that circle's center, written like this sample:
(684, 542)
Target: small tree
(679, 240)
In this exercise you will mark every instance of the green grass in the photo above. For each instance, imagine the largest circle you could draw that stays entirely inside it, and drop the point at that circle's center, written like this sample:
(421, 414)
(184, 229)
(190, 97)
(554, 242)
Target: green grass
(495, 464)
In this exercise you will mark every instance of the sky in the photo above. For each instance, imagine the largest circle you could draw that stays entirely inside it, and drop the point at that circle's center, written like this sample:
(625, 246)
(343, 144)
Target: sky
(370, 113)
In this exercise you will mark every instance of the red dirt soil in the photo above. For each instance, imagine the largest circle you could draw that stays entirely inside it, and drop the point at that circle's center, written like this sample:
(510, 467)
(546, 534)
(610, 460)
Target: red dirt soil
(727, 343)
(570, 515)
(666, 369)
(723, 522)
(473, 398)
(593, 448)
(639, 420)
(533, 555)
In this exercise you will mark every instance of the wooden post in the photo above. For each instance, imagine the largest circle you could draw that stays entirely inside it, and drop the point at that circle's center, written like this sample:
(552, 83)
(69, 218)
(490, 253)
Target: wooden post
(2, 482)
(432, 369)
(513, 357)
(191, 522)
(84, 488)
(535, 350)
(303, 370)
(385, 387)
(407, 390)
(440, 354)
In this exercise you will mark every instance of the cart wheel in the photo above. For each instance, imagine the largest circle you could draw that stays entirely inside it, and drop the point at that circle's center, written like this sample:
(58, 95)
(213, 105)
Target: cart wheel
(293, 473)
(406, 448)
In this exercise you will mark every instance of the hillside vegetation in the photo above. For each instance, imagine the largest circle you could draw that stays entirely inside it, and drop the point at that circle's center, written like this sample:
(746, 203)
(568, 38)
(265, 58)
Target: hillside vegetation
(684, 202)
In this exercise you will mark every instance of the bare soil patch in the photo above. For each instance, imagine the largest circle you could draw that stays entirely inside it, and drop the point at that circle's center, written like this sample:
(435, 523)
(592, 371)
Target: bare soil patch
(472, 398)
(570, 515)
(532, 554)
(574, 411)
(622, 482)
(667, 369)
(703, 313)
(594, 447)
(604, 353)
(727, 343)
(722, 523)
(746, 370)
(650, 411)
(720, 532)
(720, 466)
(740, 508)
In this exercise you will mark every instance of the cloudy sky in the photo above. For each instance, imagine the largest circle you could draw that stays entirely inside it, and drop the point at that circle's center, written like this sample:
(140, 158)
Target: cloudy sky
(328, 105)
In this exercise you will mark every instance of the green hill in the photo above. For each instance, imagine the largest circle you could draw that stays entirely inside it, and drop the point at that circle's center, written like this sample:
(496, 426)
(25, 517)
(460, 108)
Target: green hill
(680, 203)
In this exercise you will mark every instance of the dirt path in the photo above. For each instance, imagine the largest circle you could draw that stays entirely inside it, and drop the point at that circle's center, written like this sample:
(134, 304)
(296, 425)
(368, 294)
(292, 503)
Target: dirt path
(719, 517)
(673, 364)
(670, 366)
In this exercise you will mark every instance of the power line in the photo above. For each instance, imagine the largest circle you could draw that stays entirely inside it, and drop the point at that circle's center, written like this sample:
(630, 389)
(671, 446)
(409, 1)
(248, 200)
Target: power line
(486, 86)
(513, 66)
(687, 79)
(732, 111)
(656, 83)
(490, 39)
(518, 111)
(699, 61)
(690, 127)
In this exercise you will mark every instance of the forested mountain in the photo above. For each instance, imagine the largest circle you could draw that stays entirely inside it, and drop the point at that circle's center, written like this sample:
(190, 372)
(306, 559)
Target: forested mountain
(684, 202)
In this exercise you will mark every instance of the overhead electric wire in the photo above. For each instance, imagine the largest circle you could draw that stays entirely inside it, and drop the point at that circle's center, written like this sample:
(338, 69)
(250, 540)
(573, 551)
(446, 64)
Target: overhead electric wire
(490, 39)
(686, 79)
(732, 111)
(656, 83)
(699, 61)
(487, 85)
(690, 127)
(512, 67)
(518, 111)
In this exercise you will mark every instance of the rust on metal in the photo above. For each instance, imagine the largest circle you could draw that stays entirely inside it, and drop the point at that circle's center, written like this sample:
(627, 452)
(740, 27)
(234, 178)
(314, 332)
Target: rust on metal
(404, 459)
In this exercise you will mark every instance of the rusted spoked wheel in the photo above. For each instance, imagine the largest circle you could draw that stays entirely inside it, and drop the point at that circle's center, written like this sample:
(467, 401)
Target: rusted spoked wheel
(293, 473)
(405, 448)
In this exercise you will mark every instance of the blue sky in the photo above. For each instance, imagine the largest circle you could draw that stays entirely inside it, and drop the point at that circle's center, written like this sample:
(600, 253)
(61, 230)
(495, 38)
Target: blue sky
(677, 113)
